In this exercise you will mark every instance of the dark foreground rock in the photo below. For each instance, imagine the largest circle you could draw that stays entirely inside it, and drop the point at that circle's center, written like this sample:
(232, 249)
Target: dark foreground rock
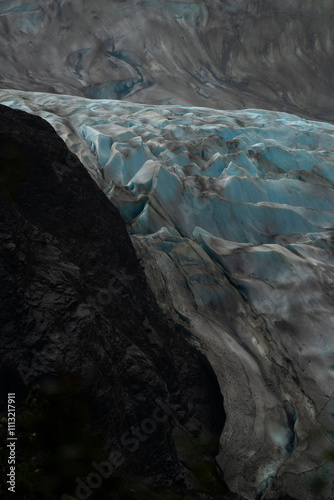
(78, 318)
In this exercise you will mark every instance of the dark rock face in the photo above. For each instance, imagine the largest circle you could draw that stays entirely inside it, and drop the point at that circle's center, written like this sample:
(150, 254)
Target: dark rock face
(222, 54)
(74, 300)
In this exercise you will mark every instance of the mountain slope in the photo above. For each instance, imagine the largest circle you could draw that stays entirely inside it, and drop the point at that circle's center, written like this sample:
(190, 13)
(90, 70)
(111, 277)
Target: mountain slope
(221, 54)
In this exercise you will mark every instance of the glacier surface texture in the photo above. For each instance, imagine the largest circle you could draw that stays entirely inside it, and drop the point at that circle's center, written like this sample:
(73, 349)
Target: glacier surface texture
(232, 215)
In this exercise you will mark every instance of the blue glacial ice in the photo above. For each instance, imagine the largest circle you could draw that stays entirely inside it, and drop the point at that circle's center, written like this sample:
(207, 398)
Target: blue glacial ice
(231, 213)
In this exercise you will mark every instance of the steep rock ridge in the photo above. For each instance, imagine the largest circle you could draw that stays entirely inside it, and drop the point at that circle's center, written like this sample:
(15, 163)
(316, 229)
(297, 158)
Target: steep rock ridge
(221, 54)
(74, 300)
(232, 214)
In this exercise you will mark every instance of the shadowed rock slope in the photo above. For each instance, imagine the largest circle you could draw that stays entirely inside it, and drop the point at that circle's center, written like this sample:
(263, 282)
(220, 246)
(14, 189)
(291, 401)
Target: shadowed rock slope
(75, 303)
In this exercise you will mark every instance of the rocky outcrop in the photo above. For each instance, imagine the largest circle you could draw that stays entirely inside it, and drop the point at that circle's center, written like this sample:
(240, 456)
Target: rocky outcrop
(75, 302)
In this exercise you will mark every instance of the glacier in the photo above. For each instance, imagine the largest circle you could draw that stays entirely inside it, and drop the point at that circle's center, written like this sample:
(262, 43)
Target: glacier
(232, 214)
